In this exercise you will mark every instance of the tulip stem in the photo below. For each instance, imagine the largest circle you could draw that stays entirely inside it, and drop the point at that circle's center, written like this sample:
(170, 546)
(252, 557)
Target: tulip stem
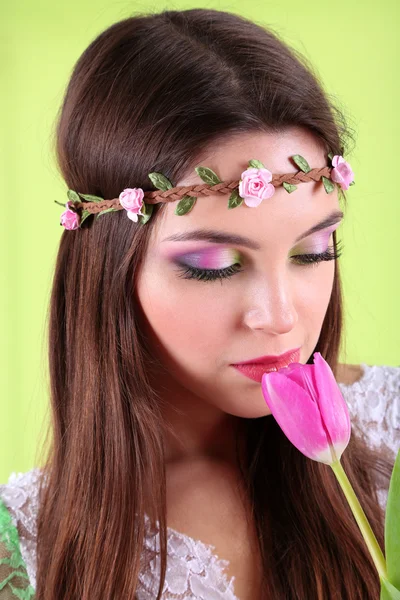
(360, 517)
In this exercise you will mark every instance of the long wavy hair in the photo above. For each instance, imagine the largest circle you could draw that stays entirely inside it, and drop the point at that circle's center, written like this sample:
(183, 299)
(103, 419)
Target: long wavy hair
(150, 93)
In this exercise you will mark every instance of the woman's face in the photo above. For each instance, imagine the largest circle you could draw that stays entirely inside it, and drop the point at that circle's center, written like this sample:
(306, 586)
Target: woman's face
(274, 303)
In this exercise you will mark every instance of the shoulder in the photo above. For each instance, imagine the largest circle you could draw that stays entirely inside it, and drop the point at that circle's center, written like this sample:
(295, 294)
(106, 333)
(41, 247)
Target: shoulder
(14, 579)
(21, 496)
(374, 405)
(348, 374)
(384, 379)
(19, 501)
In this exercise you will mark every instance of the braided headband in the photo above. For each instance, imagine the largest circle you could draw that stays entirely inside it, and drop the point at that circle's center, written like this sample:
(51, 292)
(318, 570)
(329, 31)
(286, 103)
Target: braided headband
(256, 184)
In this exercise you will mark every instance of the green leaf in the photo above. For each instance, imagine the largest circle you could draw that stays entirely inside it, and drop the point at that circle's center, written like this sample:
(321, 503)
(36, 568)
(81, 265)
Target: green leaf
(185, 205)
(63, 205)
(301, 163)
(207, 175)
(388, 591)
(234, 199)
(328, 184)
(92, 198)
(148, 210)
(392, 526)
(85, 214)
(160, 181)
(23, 594)
(256, 164)
(106, 211)
(73, 196)
(330, 156)
(289, 187)
(352, 183)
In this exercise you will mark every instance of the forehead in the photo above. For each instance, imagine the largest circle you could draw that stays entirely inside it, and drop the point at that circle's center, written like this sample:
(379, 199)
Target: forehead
(282, 214)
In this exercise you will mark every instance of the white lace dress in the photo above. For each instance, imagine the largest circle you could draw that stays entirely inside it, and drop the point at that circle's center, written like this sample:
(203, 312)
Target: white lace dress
(194, 571)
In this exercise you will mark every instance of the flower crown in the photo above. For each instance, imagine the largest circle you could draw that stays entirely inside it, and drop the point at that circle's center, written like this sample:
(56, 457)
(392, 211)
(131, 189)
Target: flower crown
(256, 184)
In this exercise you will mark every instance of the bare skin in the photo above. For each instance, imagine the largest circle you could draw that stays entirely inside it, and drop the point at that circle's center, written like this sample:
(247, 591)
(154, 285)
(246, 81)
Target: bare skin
(197, 329)
(349, 374)
(204, 501)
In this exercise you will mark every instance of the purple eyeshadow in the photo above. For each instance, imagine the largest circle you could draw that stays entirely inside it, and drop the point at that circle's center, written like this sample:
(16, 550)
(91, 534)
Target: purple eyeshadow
(211, 258)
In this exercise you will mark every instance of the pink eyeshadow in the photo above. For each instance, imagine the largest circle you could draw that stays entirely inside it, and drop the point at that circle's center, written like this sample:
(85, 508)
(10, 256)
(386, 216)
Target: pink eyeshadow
(211, 258)
(320, 241)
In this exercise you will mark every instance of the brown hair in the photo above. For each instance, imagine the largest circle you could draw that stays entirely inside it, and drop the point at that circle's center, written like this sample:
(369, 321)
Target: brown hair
(151, 93)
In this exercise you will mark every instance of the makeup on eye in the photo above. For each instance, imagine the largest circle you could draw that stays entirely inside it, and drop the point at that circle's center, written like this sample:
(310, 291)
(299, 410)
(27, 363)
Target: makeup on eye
(320, 242)
(211, 258)
(217, 257)
(309, 260)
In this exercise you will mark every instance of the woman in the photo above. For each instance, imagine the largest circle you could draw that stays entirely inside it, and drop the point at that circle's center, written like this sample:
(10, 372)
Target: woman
(160, 446)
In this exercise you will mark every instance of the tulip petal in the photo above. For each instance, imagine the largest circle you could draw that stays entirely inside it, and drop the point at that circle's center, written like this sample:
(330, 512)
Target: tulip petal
(333, 408)
(297, 415)
(295, 373)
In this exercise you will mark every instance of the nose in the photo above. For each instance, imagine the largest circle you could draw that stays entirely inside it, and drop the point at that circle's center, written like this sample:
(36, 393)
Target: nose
(271, 307)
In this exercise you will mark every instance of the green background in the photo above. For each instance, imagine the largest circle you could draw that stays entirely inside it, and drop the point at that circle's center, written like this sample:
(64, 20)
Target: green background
(355, 50)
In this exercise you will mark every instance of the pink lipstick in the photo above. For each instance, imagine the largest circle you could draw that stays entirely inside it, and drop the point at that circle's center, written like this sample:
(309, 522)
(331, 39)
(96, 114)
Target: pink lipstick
(256, 367)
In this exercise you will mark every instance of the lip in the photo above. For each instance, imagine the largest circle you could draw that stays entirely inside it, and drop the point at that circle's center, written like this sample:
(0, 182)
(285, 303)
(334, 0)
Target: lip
(255, 368)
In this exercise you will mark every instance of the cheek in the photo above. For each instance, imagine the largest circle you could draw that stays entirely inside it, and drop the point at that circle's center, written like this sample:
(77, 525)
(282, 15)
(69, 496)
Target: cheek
(188, 321)
(313, 297)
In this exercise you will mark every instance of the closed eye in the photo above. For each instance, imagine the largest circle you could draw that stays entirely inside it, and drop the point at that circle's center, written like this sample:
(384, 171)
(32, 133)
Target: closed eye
(307, 260)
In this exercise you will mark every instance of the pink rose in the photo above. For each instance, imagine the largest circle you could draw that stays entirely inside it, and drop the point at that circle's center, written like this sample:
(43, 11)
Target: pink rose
(341, 172)
(132, 200)
(70, 219)
(255, 186)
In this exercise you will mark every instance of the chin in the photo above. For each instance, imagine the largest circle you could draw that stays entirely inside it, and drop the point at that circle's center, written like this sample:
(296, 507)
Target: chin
(249, 408)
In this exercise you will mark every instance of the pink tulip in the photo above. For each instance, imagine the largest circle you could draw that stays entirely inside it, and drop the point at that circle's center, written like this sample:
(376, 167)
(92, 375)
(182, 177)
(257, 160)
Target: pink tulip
(308, 405)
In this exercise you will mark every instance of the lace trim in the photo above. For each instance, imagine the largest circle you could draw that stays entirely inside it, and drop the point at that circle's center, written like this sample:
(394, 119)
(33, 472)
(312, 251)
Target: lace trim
(374, 407)
(15, 565)
(21, 496)
(192, 568)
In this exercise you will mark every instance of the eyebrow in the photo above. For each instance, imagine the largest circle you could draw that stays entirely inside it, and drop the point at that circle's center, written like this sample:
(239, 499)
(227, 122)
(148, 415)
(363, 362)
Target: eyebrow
(220, 237)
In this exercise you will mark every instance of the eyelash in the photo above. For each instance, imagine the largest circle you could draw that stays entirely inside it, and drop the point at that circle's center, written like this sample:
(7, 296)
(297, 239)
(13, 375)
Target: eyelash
(307, 260)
